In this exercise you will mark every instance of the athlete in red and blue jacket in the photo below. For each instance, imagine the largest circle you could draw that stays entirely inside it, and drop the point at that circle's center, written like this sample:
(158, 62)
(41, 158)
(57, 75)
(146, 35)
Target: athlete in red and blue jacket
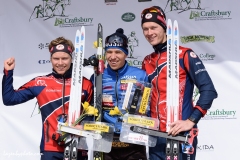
(191, 72)
(52, 92)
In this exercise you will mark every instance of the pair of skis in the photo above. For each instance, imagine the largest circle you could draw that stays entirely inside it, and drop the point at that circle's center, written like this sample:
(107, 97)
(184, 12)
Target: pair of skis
(70, 152)
(173, 110)
(172, 146)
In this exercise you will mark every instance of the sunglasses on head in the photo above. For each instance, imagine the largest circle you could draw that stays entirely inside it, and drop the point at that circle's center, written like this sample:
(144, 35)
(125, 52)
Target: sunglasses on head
(153, 10)
(115, 40)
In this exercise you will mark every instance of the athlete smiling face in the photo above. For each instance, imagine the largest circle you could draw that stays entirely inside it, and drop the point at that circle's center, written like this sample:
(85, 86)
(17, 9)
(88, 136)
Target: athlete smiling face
(154, 33)
(115, 58)
(61, 54)
(61, 62)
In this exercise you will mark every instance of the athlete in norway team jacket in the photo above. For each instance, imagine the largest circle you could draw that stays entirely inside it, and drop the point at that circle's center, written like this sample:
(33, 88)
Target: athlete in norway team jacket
(191, 72)
(52, 92)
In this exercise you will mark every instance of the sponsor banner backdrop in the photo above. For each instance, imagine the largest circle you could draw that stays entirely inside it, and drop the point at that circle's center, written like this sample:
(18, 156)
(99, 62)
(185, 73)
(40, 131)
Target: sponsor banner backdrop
(210, 28)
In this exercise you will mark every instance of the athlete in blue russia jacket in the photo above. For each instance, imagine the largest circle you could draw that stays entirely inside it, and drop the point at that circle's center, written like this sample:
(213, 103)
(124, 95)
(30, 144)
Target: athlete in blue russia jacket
(114, 88)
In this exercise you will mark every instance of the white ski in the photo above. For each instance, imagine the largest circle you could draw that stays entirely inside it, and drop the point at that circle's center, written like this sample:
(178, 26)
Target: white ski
(169, 75)
(77, 74)
(175, 70)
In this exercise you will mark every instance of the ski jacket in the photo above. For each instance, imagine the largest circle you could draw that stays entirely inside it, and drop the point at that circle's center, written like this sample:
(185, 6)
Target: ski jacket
(191, 71)
(49, 91)
(114, 87)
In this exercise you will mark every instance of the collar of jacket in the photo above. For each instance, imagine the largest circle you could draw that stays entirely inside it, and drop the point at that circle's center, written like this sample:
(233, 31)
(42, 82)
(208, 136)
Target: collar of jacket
(159, 48)
(67, 74)
(120, 71)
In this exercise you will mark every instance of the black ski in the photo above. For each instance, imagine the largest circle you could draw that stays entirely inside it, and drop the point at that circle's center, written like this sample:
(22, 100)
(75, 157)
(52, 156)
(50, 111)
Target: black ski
(98, 83)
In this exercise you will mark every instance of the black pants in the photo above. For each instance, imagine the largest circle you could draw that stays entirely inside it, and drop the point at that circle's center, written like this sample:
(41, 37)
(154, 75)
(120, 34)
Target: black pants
(125, 151)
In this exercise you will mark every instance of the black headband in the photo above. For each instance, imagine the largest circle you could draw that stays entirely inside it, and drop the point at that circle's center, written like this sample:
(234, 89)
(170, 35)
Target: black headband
(61, 48)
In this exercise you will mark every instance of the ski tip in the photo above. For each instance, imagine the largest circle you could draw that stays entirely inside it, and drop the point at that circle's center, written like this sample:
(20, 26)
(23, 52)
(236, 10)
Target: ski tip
(78, 32)
(169, 26)
(99, 27)
(82, 29)
(175, 23)
(169, 21)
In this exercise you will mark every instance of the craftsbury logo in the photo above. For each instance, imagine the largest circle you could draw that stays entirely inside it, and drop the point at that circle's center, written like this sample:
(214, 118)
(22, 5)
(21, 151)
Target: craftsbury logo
(56, 9)
(197, 38)
(135, 63)
(211, 113)
(73, 22)
(128, 17)
(198, 12)
(210, 15)
(220, 114)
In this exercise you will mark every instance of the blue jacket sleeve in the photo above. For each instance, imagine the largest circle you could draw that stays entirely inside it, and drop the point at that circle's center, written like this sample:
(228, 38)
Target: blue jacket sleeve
(203, 82)
(12, 97)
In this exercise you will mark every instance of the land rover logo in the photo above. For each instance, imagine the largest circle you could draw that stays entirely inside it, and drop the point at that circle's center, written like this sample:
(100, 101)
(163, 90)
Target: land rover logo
(128, 17)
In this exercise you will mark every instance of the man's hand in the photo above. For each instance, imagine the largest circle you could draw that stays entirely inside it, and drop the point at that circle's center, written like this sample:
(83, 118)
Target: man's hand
(180, 126)
(9, 63)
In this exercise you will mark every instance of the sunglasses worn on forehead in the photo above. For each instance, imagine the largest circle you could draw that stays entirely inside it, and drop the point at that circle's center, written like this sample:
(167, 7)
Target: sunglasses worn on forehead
(115, 41)
(153, 10)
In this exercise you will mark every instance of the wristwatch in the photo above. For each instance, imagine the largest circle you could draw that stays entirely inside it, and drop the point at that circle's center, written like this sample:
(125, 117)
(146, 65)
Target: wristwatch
(194, 120)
